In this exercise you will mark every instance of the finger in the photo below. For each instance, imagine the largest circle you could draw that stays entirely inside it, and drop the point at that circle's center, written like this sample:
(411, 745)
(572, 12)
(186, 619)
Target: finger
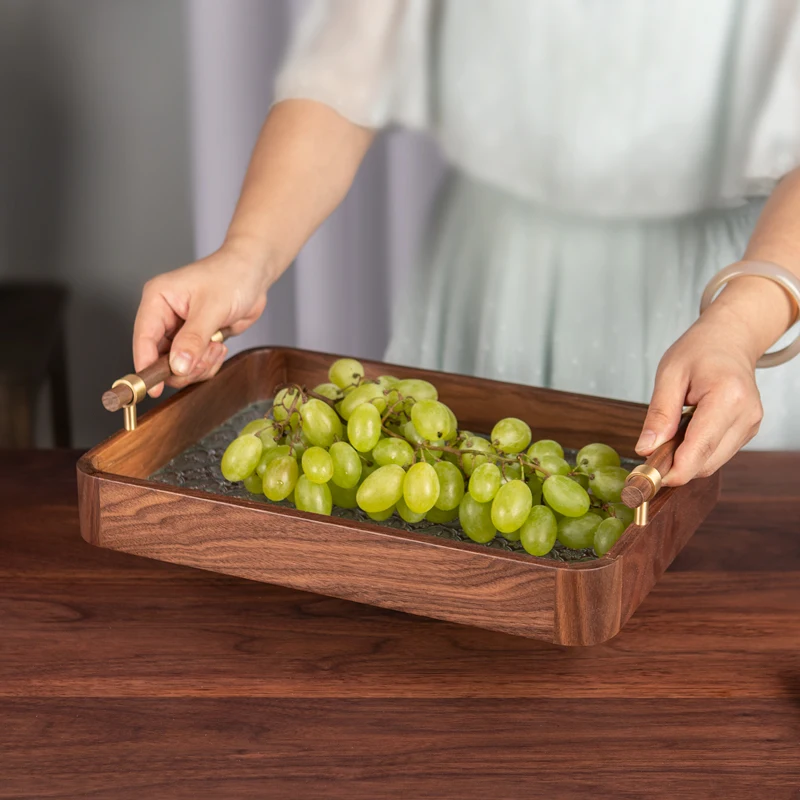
(214, 368)
(713, 418)
(732, 442)
(213, 355)
(155, 320)
(664, 412)
(191, 343)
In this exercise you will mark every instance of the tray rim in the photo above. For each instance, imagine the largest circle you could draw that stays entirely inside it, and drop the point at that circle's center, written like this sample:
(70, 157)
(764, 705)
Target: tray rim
(86, 466)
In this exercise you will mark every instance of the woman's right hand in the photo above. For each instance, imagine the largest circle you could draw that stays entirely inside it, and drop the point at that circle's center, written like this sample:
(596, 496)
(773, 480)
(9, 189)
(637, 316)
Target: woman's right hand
(181, 310)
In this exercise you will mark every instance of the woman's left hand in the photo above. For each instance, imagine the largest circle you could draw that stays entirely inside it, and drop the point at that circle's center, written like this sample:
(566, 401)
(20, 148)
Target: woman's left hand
(712, 366)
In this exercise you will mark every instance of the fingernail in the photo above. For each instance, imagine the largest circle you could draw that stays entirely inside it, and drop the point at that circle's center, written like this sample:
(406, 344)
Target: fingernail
(646, 441)
(180, 363)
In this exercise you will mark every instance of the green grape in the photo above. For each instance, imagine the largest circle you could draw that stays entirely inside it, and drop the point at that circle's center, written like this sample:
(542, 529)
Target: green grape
(241, 457)
(393, 451)
(451, 458)
(453, 432)
(513, 536)
(388, 381)
(431, 457)
(313, 497)
(484, 482)
(343, 498)
(511, 506)
(471, 460)
(431, 419)
(545, 447)
(512, 472)
(364, 427)
(439, 517)
(298, 442)
(406, 514)
(511, 435)
(253, 484)
(535, 484)
(607, 534)
(607, 483)
(280, 478)
(366, 393)
(381, 516)
(346, 465)
(269, 454)
(368, 467)
(329, 390)
(476, 519)
(270, 435)
(451, 486)
(538, 532)
(317, 465)
(581, 479)
(382, 489)
(283, 402)
(552, 465)
(565, 496)
(421, 488)
(321, 424)
(345, 372)
(412, 434)
(577, 533)
(417, 389)
(255, 426)
(596, 455)
(621, 511)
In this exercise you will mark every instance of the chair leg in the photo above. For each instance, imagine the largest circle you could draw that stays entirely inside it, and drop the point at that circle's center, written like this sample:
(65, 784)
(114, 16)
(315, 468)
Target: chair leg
(16, 417)
(59, 389)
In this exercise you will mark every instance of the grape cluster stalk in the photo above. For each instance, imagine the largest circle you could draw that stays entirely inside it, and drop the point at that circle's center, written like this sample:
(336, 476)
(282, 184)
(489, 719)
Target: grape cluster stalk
(390, 446)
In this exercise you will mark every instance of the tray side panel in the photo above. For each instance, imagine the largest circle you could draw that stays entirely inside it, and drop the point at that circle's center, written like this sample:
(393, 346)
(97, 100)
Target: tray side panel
(88, 503)
(594, 601)
(645, 557)
(588, 604)
(434, 580)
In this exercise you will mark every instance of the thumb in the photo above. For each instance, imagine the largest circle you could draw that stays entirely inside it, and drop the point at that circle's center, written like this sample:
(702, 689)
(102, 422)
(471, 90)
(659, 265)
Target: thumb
(664, 412)
(205, 318)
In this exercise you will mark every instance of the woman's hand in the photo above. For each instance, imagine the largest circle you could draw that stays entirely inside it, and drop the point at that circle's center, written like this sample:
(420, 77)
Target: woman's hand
(711, 366)
(181, 310)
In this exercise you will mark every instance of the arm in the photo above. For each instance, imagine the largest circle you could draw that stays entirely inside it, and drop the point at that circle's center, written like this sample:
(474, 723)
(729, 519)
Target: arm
(302, 167)
(713, 364)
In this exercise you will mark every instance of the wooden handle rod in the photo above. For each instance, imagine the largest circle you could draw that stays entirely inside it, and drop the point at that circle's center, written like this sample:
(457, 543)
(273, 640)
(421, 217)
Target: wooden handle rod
(639, 488)
(122, 394)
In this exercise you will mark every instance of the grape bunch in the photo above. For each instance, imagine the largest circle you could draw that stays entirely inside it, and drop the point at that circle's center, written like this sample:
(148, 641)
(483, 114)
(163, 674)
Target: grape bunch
(390, 446)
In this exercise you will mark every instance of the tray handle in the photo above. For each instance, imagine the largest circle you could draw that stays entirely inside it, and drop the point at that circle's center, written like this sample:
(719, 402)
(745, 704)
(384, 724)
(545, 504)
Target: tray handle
(131, 389)
(644, 481)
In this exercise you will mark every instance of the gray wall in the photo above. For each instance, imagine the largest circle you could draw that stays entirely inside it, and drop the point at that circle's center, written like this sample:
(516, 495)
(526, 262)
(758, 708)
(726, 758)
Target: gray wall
(95, 169)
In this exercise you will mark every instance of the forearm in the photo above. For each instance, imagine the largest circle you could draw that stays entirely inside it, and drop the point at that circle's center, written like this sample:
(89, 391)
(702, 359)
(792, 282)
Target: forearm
(302, 167)
(756, 309)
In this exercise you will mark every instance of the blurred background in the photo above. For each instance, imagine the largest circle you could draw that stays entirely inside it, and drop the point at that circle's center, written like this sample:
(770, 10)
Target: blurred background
(126, 130)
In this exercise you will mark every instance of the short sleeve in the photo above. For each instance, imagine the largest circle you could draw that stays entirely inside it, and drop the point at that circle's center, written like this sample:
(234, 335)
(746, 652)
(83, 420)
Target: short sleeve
(367, 59)
(775, 144)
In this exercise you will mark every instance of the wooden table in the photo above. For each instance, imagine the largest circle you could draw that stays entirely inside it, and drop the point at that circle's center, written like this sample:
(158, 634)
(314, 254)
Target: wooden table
(124, 678)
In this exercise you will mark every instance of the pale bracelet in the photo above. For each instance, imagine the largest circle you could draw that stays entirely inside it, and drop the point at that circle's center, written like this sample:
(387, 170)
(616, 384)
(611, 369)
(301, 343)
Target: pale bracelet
(762, 269)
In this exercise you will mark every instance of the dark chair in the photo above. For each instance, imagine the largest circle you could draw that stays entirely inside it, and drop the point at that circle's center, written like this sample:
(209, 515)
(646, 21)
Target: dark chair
(32, 353)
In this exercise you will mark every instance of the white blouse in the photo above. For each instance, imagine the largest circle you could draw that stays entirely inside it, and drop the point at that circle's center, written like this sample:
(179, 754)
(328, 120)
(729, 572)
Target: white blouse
(659, 107)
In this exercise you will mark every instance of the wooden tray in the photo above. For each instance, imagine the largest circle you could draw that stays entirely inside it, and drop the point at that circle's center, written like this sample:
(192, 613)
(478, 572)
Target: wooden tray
(569, 604)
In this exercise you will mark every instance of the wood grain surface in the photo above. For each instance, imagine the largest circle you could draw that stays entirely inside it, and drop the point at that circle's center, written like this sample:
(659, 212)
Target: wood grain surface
(123, 677)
